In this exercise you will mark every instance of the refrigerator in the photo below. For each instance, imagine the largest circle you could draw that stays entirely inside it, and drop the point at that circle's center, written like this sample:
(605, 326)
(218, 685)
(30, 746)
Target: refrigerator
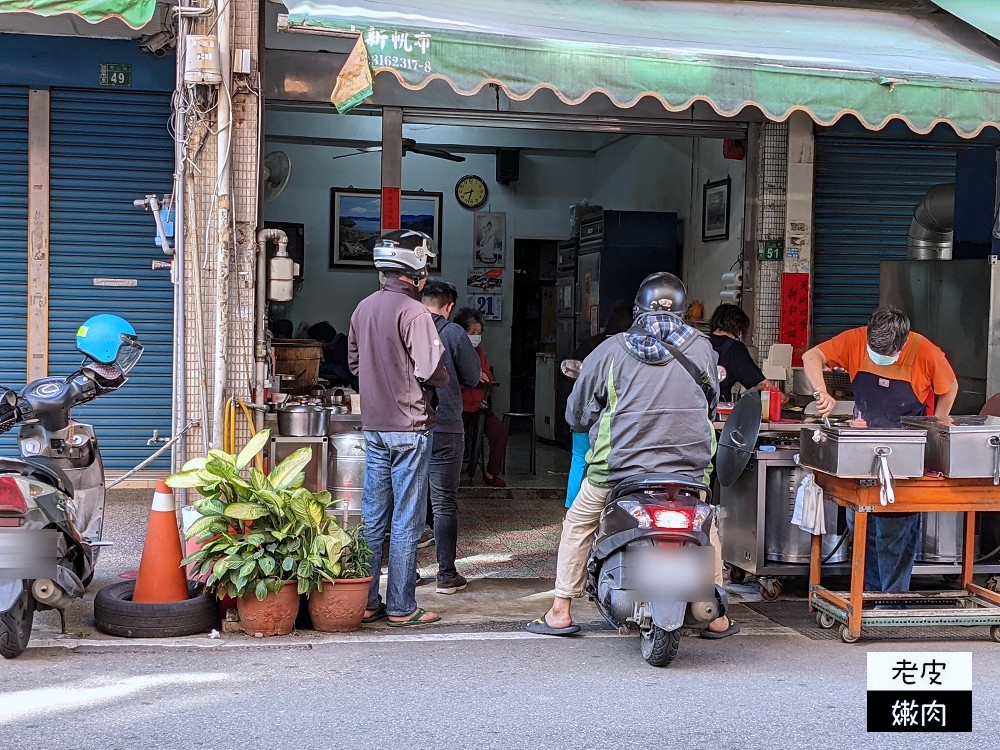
(617, 250)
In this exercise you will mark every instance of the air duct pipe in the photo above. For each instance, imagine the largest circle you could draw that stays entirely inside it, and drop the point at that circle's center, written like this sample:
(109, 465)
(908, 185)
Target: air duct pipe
(260, 341)
(930, 235)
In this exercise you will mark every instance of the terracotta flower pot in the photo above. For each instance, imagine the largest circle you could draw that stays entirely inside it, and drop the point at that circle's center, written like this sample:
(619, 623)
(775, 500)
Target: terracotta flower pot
(339, 607)
(273, 616)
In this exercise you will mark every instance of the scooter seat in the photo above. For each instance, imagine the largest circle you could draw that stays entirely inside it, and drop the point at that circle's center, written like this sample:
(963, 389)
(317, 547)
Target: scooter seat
(41, 468)
(645, 482)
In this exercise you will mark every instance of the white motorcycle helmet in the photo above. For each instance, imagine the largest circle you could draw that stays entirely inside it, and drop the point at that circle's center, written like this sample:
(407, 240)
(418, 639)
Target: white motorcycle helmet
(405, 251)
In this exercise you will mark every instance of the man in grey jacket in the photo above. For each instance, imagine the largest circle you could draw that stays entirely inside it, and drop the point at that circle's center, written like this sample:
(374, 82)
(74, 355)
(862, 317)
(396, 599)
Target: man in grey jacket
(645, 413)
(395, 351)
(462, 361)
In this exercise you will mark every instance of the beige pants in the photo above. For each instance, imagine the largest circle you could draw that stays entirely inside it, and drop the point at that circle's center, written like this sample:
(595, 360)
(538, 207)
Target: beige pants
(581, 522)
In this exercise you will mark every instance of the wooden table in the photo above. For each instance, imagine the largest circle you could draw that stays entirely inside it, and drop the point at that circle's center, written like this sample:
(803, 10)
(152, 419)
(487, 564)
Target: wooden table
(980, 606)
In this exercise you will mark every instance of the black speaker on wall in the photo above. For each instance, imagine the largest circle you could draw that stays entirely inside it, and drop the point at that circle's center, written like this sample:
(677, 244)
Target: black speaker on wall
(508, 165)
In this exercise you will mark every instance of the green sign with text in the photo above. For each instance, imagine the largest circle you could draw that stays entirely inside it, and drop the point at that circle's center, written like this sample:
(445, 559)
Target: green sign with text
(771, 250)
(118, 75)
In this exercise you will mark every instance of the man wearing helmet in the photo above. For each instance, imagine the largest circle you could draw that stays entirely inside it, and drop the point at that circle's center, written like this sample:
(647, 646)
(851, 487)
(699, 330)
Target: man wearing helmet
(645, 413)
(395, 350)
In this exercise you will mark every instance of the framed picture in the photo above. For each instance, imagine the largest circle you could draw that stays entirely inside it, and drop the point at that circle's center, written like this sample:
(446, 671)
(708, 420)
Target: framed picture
(715, 211)
(489, 238)
(356, 224)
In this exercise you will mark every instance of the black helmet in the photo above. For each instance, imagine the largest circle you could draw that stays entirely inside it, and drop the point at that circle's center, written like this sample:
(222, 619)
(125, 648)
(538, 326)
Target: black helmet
(661, 292)
(405, 250)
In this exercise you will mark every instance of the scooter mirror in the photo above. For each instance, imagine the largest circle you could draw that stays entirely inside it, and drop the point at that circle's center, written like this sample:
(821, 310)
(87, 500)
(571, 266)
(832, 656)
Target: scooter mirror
(571, 368)
(9, 398)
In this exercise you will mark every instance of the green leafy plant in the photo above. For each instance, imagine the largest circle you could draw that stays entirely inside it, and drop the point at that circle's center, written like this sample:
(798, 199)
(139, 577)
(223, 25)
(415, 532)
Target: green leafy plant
(260, 530)
(357, 555)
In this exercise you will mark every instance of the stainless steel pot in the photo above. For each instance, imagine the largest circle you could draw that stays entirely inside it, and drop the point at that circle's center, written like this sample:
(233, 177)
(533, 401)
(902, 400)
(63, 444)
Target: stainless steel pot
(342, 421)
(303, 420)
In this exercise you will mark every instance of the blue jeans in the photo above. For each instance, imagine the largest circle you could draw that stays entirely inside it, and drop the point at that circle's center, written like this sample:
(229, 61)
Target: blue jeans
(891, 550)
(395, 495)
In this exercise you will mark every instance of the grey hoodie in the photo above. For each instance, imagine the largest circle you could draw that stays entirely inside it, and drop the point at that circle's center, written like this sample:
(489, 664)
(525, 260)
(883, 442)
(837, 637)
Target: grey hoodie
(462, 361)
(644, 412)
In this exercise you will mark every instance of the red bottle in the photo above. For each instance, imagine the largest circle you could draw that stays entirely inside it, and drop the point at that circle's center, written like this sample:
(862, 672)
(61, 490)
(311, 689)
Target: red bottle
(775, 405)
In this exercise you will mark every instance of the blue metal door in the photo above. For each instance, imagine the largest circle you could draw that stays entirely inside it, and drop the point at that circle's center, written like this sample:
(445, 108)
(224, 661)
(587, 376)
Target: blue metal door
(13, 238)
(867, 185)
(109, 148)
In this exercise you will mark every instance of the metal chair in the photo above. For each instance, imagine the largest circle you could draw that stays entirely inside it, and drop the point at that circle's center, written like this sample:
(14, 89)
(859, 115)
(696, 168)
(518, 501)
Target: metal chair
(510, 415)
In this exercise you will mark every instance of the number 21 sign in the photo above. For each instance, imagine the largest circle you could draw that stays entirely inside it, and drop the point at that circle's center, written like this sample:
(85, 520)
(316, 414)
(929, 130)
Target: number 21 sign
(487, 305)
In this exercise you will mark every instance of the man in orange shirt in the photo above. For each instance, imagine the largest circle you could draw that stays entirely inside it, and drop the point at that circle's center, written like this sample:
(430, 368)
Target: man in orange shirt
(894, 374)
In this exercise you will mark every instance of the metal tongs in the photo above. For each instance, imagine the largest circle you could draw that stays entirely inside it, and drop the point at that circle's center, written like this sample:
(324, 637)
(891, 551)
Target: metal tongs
(887, 492)
(817, 435)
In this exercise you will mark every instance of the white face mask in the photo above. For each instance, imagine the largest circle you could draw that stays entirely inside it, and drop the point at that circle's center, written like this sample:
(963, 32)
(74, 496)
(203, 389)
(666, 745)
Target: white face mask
(476, 340)
(882, 359)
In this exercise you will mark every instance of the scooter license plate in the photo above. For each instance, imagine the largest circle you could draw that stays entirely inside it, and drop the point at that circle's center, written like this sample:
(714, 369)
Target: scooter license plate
(28, 553)
(677, 572)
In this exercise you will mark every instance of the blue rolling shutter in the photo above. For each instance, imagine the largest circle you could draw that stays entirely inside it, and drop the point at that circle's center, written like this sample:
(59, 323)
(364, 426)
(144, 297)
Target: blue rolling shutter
(108, 149)
(13, 239)
(867, 186)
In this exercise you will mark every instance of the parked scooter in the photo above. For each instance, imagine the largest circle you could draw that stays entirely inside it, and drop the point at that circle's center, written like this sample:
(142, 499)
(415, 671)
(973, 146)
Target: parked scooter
(52, 498)
(652, 564)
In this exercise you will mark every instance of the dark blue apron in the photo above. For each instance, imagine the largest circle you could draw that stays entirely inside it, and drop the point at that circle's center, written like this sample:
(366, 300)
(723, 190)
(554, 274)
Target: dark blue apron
(892, 537)
(882, 401)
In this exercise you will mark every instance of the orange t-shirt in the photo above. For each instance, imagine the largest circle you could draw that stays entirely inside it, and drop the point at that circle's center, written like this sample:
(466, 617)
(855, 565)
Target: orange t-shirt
(926, 369)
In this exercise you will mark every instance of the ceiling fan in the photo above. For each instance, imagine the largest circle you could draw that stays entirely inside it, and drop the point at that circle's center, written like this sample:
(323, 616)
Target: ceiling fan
(409, 146)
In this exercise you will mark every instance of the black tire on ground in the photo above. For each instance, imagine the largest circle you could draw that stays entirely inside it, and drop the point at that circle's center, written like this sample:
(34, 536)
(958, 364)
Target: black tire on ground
(15, 625)
(116, 614)
(659, 646)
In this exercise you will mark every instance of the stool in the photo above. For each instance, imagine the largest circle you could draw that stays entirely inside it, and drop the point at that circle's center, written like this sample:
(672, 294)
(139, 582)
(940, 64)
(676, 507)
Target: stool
(507, 417)
(475, 438)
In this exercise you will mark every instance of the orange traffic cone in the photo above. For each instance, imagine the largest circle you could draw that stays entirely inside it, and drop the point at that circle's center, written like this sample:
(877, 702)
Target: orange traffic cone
(161, 578)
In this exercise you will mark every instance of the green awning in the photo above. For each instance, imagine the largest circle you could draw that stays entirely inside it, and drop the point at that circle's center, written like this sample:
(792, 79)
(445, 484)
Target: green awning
(876, 64)
(136, 13)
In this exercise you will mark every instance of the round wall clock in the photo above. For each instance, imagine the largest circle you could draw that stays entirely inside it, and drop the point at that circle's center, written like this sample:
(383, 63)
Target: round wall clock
(471, 191)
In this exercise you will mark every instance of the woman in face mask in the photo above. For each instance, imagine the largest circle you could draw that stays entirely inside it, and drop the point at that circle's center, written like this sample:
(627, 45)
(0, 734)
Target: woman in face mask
(475, 401)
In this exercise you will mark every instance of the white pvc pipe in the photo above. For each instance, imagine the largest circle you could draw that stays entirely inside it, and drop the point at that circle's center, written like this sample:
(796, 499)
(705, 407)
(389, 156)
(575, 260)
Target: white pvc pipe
(260, 340)
(223, 220)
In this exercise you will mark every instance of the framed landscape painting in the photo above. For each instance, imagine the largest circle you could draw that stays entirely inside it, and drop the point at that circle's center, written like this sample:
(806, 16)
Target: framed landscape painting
(356, 224)
(715, 211)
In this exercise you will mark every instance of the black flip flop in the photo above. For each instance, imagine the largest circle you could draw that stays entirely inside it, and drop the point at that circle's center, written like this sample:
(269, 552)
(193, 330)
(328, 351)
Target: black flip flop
(413, 619)
(733, 629)
(541, 627)
(378, 614)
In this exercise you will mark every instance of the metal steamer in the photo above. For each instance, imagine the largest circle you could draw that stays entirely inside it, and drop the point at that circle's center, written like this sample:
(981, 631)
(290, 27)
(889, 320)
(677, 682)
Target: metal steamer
(346, 467)
(324, 422)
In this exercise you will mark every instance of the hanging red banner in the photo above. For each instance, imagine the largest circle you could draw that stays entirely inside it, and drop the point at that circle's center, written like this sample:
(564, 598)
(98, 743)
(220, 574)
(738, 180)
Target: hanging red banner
(390, 208)
(794, 328)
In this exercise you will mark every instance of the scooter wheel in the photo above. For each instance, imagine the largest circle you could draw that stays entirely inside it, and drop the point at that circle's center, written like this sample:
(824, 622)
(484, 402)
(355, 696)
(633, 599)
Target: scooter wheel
(659, 646)
(116, 614)
(15, 625)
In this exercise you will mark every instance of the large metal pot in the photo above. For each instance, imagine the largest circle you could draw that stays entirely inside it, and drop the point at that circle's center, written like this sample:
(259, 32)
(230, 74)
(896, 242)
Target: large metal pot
(346, 477)
(340, 420)
(303, 420)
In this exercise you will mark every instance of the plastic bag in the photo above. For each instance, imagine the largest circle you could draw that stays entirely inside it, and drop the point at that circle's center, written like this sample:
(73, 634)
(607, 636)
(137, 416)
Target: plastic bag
(809, 513)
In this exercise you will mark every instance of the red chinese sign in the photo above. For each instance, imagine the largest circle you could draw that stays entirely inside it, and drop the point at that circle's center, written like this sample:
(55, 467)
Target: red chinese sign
(794, 328)
(390, 208)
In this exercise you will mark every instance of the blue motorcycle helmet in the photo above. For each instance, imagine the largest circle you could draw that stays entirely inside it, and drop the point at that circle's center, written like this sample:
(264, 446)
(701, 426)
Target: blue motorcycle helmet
(109, 340)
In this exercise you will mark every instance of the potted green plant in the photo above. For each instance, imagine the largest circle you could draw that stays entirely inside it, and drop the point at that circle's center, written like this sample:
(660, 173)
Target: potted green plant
(256, 529)
(338, 592)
